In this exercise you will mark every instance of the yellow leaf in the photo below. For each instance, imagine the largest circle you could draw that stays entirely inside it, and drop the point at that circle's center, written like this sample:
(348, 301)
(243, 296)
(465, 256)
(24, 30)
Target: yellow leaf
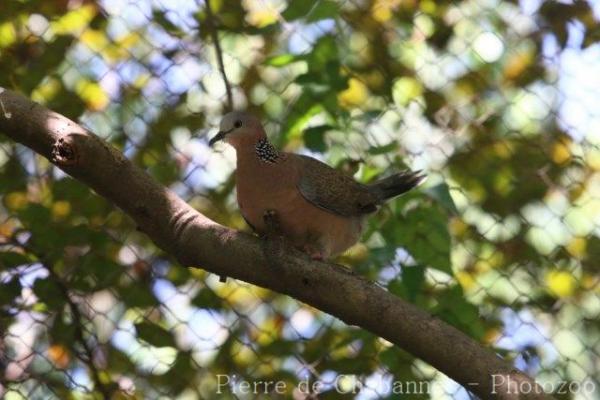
(242, 354)
(355, 95)
(141, 81)
(405, 90)
(503, 149)
(59, 355)
(61, 209)
(492, 335)
(75, 21)
(46, 91)
(577, 247)
(8, 34)
(269, 330)
(458, 227)
(94, 40)
(561, 153)
(503, 181)
(465, 279)
(16, 201)
(126, 42)
(517, 64)
(382, 9)
(560, 283)
(7, 228)
(590, 282)
(428, 6)
(593, 159)
(262, 17)
(357, 253)
(93, 95)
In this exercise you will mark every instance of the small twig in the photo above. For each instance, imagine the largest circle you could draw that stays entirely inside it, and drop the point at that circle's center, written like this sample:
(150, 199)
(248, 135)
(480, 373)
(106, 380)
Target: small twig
(215, 37)
(78, 324)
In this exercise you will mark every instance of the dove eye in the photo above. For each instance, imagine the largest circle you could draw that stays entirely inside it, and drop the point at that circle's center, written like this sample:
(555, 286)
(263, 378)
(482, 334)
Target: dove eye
(238, 124)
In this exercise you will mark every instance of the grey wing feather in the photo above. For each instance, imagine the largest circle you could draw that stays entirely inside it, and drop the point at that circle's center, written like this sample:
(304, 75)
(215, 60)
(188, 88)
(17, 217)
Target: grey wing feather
(333, 191)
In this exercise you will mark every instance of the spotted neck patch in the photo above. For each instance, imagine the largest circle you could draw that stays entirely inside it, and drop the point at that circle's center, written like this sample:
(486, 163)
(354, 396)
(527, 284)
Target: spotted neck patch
(266, 152)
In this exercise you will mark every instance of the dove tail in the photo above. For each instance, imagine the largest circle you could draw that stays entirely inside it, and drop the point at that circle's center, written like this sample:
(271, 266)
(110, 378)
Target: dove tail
(397, 184)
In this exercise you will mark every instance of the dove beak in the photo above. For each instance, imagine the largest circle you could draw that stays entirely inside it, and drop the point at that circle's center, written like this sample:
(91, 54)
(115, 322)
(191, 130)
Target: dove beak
(219, 136)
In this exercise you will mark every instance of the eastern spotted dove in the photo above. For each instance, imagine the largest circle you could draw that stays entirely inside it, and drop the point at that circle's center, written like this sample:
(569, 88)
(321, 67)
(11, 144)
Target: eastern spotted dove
(319, 209)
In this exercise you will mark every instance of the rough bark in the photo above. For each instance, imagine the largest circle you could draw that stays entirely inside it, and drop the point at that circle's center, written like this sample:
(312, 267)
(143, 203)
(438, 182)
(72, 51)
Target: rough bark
(196, 241)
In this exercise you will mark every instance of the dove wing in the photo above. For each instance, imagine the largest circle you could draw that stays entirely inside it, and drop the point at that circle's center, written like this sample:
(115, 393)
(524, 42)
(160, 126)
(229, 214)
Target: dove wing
(331, 190)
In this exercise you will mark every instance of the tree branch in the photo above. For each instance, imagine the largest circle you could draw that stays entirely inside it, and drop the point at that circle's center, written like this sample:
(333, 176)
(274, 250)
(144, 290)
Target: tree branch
(197, 241)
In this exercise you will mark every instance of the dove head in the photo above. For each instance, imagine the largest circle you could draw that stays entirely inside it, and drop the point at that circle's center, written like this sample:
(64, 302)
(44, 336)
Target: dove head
(239, 129)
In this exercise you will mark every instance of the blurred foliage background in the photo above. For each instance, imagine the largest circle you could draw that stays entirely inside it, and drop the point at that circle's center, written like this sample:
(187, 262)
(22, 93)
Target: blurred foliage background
(495, 100)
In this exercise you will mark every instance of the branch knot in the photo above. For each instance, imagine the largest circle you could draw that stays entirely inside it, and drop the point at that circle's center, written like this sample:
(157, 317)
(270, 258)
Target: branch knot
(64, 152)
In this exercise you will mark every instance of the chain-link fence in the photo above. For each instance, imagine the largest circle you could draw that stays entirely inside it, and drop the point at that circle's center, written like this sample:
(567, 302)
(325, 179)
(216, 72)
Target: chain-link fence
(495, 100)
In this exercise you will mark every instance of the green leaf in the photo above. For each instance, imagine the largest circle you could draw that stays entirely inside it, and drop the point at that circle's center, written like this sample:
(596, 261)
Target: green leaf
(61, 331)
(409, 284)
(324, 52)
(12, 176)
(312, 12)
(324, 10)
(441, 194)
(154, 334)
(49, 293)
(119, 361)
(137, 295)
(178, 377)
(178, 275)
(95, 272)
(35, 217)
(283, 60)
(314, 137)
(377, 150)
(11, 259)
(105, 271)
(413, 278)
(52, 55)
(168, 26)
(297, 9)
(453, 308)
(383, 255)
(424, 234)
(206, 298)
(9, 291)
(304, 109)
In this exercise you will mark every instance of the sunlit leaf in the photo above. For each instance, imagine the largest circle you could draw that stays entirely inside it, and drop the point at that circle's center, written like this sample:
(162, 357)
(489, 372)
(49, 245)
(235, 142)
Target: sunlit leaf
(282, 60)
(74, 21)
(93, 95)
(560, 283)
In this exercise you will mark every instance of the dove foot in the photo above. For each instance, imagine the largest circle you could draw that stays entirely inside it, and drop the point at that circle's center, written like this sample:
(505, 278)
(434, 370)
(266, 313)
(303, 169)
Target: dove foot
(271, 220)
(313, 253)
